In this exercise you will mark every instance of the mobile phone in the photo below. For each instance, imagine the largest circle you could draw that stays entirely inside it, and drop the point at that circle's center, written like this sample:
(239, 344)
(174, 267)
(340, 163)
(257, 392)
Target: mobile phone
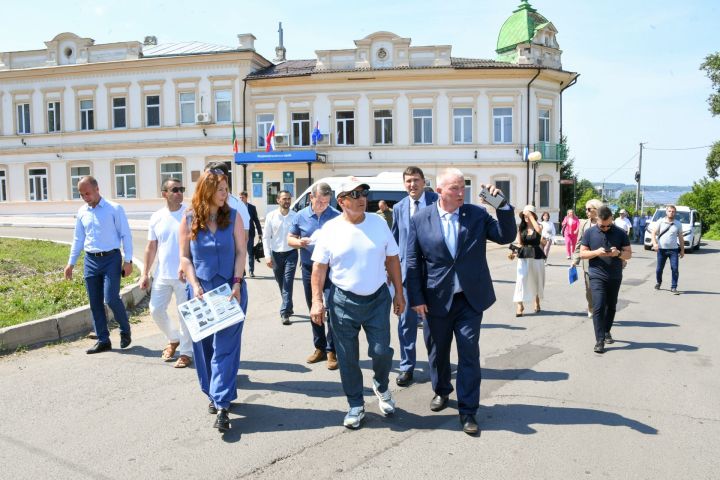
(608, 250)
(497, 200)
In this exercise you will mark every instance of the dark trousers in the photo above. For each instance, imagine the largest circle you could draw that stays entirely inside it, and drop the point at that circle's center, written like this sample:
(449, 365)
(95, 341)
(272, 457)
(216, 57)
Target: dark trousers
(662, 255)
(464, 323)
(251, 254)
(407, 336)
(320, 339)
(604, 296)
(102, 283)
(284, 265)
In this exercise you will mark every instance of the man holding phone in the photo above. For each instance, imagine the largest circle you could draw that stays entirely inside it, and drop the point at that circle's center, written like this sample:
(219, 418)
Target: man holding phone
(605, 246)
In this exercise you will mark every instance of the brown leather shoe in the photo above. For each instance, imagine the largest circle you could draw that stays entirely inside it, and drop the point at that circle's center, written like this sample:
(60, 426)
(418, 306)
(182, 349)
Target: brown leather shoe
(169, 351)
(183, 361)
(317, 356)
(332, 361)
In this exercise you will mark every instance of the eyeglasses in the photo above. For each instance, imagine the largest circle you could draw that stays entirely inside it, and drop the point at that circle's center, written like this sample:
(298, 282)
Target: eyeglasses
(588, 209)
(216, 171)
(355, 194)
(176, 189)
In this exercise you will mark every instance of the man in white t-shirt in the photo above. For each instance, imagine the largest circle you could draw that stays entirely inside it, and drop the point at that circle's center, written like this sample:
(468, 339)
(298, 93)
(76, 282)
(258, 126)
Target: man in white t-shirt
(361, 254)
(280, 256)
(669, 243)
(624, 222)
(163, 244)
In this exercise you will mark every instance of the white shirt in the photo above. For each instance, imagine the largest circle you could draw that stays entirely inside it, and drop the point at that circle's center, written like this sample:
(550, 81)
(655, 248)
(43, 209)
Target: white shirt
(241, 208)
(669, 239)
(623, 223)
(548, 229)
(421, 204)
(277, 228)
(164, 227)
(356, 253)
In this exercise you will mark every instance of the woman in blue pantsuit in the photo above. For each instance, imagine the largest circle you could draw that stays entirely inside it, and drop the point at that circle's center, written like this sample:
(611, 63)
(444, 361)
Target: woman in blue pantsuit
(212, 252)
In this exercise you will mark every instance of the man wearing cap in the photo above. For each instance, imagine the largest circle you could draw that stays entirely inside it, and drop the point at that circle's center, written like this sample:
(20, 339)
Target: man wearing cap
(624, 222)
(418, 198)
(448, 283)
(361, 255)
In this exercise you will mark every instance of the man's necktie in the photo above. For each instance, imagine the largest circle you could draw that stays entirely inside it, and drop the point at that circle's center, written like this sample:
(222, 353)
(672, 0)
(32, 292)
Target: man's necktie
(451, 234)
(417, 205)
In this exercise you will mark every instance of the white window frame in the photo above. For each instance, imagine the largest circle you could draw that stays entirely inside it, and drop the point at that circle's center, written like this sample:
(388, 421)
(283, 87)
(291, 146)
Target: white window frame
(544, 125)
(344, 125)
(124, 177)
(24, 125)
(115, 110)
(37, 181)
(3, 185)
(502, 133)
(184, 104)
(379, 125)
(303, 127)
(468, 190)
(424, 121)
(148, 107)
(169, 173)
(87, 115)
(219, 101)
(75, 179)
(263, 121)
(54, 119)
(461, 129)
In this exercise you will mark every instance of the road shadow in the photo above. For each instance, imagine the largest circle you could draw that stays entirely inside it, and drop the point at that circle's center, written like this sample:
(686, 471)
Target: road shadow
(523, 374)
(310, 388)
(697, 292)
(704, 250)
(665, 347)
(501, 325)
(139, 350)
(503, 281)
(555, 313)
(273, 366)
(520, 418)
(632, 323)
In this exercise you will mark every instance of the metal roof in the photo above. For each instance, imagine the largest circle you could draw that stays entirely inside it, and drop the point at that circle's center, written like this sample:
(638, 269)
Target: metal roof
(184, 48)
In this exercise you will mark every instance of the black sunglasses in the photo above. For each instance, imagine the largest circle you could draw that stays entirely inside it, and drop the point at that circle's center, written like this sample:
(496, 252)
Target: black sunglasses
(216, 171)
(355, 194)
(604, 227)
(176, 189)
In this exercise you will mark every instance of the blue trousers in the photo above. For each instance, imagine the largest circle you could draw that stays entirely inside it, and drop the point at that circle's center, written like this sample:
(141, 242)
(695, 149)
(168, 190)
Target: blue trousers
(320, 339)
(604, 299)
(662, 255)
(284, 265)
(102, 283)
(217, 357)
(251, 253)
(464, 323)
(407, 335)
(349, 313)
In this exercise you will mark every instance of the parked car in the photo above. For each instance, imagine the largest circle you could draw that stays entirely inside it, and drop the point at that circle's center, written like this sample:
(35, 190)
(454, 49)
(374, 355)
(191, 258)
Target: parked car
(691, 226)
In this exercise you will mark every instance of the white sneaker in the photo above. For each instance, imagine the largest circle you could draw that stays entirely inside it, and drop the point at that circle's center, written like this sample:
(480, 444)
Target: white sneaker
(385, 401)
(354, 417)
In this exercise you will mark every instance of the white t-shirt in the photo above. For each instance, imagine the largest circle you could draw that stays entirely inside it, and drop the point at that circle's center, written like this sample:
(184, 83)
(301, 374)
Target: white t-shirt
(241, 208)
(356, 254)
(548, 230)
(164, 227)
(623, 223)
(669, 239)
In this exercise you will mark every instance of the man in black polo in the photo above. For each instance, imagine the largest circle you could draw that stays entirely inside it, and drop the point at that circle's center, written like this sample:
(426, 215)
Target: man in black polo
(605, 246)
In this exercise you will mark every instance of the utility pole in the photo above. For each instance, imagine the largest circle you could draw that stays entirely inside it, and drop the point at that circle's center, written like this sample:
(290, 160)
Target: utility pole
(638, 178)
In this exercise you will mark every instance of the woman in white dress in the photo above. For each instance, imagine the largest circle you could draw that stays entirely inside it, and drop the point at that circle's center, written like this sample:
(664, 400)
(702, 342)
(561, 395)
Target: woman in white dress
(530, 282)
(548, 232)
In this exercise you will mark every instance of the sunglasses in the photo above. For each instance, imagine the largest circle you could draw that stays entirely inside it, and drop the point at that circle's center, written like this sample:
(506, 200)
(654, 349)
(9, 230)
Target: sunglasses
(604, 227)
(589, 209)
(355, 194)
(176, 189)
(216, 171)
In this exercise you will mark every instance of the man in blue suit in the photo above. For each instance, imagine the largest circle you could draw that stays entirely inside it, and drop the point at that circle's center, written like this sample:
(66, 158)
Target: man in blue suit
(449, 284)
(417, 198)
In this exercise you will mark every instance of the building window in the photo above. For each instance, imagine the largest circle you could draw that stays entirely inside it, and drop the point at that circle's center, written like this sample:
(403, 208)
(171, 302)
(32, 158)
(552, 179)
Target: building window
(23, 118)
(462, 125)
(3, 186)
(504, 186)
(345, 128)
(76, 173)
(119, 112)
(38, 183)
(301, 129)
(152, 111)
(468, 190)
(223, 106)
(53, 117)
(264, 122)
(170, 170)
(87, 115)
(187, 108)
(544, 126)
(422, 125)
(383, 127)
(545, 193)
(502, 125)
(125, 181)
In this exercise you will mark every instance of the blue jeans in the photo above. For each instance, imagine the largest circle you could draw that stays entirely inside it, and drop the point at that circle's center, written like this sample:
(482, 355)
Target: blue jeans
(284, 265)
(662, 255)
(320, 339)
(102, 283)
(604, 299)
(407, 336)
(348, 313)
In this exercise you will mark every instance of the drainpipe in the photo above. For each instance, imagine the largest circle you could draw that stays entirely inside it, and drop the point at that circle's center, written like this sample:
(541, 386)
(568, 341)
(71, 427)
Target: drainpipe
(527, 162)
(572, 82)
(244, 147)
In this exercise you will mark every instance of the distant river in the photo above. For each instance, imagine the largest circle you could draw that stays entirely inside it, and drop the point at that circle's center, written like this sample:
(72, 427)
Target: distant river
(662, 197)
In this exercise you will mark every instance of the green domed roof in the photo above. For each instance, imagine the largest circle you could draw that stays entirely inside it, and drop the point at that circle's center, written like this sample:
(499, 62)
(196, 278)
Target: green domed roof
(520, 27)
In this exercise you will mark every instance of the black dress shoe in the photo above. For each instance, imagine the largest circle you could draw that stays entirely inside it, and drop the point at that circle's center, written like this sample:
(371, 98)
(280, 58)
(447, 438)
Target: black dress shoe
(609, 338)
(125, 340)
(222, 422)
(99, 347)
(439, 402)
(212, 409)
(469, 425)
(404, 379)
(599, 347)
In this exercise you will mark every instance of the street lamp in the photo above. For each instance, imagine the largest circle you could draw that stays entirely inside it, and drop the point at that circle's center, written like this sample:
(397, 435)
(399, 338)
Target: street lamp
(534, 157)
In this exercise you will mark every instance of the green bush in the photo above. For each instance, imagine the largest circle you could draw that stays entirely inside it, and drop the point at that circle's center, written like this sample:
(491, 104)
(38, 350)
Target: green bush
(705, 198)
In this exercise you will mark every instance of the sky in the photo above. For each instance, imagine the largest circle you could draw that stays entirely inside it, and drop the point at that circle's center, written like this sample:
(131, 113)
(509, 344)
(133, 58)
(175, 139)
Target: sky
(638, 60)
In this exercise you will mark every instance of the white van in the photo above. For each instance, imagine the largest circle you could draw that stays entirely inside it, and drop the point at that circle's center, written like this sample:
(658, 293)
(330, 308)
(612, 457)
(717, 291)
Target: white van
(691, 226)
(386, 186)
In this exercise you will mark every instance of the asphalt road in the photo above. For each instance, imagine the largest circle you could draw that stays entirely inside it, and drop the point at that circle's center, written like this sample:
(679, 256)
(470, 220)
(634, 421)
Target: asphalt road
(551, 408)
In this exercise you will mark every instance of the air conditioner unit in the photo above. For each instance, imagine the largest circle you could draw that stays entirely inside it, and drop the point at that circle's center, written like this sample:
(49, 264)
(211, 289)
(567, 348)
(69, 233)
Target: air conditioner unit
(202, 117)
(281, 139)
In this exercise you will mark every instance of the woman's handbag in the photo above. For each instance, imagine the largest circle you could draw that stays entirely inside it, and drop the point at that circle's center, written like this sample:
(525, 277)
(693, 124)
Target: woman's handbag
(258, 251)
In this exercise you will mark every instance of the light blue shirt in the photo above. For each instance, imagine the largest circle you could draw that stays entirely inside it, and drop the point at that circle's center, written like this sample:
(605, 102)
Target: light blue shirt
(101, 229)
(450, 225)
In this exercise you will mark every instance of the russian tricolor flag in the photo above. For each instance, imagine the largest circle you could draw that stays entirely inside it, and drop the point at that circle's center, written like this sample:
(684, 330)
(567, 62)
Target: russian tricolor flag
(270, 139)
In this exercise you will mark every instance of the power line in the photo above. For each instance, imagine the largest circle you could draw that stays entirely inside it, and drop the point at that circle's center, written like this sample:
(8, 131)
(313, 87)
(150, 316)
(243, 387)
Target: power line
(620, 167)
(677, 149)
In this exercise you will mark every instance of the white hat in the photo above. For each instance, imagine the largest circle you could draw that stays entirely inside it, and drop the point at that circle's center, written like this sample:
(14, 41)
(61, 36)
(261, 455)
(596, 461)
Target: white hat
(622, 210)
(351, 184)
(529, 208)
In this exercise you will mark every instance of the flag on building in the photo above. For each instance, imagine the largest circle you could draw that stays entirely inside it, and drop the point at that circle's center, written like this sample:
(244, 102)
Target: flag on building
(235, 140)
(316, 135)
(270, 139)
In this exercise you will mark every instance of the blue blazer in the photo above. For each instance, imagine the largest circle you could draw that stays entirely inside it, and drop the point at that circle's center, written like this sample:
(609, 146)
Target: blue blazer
(401, 225)
(431, 269)
(254, 221)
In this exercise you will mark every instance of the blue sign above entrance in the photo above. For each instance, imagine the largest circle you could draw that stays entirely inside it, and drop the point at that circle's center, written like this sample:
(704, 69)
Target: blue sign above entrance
(276, 157)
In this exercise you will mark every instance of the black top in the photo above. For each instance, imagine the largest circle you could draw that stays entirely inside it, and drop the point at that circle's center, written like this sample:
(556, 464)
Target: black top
(605, 267)
(530, 245)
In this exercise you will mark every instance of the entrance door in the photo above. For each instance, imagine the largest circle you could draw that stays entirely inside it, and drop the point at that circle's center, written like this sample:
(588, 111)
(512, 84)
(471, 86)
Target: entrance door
(272, 189)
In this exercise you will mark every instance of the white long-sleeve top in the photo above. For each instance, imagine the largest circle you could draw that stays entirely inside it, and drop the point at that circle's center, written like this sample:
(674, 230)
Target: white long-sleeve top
(277, 228)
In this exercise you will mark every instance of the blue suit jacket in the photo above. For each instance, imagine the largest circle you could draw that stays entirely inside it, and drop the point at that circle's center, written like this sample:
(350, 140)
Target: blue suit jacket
(254, 220)
(401, 225)
(431, 269)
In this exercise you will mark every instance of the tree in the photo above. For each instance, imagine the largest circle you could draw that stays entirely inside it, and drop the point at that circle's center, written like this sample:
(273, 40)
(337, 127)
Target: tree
(585, 192)
(626, 200)
(567, 172)
(705, 198)
(711, 65)
(713, 161)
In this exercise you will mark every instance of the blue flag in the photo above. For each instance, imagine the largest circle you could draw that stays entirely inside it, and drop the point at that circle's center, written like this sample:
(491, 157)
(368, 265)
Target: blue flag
(316, 135)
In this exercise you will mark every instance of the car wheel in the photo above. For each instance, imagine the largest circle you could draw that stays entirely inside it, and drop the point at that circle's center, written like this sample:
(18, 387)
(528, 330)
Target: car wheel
(697, 247)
